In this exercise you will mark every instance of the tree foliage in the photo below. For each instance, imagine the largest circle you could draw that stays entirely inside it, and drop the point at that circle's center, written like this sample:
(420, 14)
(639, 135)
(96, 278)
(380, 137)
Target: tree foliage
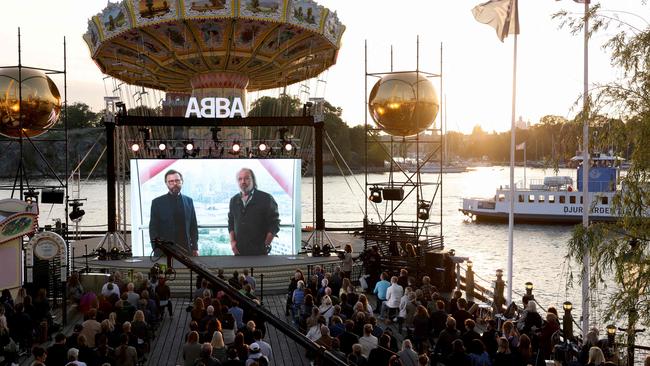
(621, 115)
(81, 116)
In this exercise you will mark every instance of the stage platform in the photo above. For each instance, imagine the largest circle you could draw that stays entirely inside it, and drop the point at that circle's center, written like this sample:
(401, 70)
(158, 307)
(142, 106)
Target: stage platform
(274, 271)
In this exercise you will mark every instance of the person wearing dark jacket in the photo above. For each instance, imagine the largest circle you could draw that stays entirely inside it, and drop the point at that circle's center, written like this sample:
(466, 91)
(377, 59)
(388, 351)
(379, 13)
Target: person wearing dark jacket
(173, 217)
(57, 354)
(253, 218)
(379, 356)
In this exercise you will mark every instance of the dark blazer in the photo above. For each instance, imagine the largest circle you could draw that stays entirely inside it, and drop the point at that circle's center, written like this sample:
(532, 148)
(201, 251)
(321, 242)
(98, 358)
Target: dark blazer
(251, 223)
(161, 223)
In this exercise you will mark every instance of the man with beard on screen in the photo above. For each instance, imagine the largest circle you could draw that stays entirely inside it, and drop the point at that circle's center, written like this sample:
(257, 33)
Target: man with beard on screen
(253, 219)
(173, 217)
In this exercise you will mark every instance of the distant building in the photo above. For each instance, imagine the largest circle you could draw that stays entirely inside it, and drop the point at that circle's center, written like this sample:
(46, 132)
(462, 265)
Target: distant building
(520, 124)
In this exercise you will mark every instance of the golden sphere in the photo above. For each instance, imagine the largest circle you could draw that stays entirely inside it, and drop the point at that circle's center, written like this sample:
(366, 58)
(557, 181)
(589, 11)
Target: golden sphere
(41, 102)
(403, 104)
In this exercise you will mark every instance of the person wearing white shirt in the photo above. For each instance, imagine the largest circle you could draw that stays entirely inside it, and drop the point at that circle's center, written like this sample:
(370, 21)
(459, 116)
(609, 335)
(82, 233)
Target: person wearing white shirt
(394, 294)
(368, 342)
(110, 287)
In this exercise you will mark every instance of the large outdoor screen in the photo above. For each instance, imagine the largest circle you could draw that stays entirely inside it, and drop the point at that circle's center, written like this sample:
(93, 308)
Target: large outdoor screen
(212, 187)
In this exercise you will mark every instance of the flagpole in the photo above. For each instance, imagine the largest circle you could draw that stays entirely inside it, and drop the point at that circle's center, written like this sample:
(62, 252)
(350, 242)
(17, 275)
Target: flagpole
(511, 215)
(586, 259)
(525, 148)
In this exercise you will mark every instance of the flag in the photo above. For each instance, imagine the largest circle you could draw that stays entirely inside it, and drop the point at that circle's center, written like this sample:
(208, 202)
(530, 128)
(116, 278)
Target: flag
(502, 15)
(521, 146)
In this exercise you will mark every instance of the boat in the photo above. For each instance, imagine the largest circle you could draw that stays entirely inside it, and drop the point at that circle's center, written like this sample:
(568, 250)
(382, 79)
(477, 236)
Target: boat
(554, 199)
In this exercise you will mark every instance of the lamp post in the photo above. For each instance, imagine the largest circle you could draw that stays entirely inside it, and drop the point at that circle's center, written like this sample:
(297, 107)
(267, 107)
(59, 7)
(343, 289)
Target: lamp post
(567, 321)
(529, 290)
(611, 334)
(469, 281)
(499, 287)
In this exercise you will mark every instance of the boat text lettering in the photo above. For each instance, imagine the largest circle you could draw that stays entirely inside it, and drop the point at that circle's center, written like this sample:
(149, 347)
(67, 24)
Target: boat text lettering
(595, 210)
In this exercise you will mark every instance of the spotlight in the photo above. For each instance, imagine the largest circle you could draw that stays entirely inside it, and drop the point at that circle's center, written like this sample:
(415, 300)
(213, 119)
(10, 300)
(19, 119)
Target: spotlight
(135, 147)
(189, 149)
(375, 194)
(262, 146)
(423, 210)
(236, 147)
(76, 213)
(162, 146)
(31, 195)
(288, 146)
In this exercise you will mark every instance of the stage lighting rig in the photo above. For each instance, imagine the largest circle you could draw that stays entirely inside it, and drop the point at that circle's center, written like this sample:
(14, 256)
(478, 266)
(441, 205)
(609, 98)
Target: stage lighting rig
(77, 213)
(236, 147)
(31, 196)
(135, 147)
(423, 210)
(375, 194)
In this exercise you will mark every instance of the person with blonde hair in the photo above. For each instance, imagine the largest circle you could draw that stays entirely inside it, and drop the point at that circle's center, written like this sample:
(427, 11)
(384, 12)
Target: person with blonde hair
(596, 357)
(219, 349)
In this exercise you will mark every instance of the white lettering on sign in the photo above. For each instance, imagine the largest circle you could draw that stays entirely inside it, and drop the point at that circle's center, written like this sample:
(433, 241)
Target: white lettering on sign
(215, 108)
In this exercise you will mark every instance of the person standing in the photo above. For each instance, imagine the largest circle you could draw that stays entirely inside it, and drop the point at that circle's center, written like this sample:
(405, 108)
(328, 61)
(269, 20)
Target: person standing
(253, 218)
(173, 217)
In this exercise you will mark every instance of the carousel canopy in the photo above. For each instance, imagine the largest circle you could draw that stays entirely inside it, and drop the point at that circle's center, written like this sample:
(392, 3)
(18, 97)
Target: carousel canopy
(170, 44)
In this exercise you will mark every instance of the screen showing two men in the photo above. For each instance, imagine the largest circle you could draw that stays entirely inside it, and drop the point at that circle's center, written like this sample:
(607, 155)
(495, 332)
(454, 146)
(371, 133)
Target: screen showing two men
(216, 206)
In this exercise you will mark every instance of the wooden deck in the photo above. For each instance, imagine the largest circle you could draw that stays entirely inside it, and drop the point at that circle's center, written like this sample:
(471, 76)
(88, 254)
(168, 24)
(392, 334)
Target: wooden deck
(166, 348)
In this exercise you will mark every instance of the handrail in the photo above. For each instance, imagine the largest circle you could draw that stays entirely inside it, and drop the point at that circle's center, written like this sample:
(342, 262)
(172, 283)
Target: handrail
(172, 251)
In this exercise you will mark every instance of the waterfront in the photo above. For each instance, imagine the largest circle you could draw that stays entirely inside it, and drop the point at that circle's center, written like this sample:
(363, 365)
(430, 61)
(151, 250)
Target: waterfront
(539, 249)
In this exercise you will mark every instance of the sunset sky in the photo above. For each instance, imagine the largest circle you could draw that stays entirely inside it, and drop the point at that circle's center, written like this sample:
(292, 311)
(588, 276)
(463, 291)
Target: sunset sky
(477, 68)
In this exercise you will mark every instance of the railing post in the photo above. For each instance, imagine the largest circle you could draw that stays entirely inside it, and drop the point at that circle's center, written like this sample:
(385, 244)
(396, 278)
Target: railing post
(252, 271)
(262, 289)
(499, 287)
(567, 321)
(458, 276)
(469, 281)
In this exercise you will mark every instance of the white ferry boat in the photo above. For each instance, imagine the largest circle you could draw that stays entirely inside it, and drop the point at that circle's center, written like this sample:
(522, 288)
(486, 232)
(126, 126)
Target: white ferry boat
(554, 199)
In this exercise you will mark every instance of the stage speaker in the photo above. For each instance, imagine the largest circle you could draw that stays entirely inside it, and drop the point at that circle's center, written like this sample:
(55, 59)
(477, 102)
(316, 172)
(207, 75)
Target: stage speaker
(52, 196)
(434, 264)
(393, 194)
(441, 270)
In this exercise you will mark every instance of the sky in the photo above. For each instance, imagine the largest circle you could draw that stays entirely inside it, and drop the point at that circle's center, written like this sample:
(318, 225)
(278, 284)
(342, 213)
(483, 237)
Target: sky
(476, 66)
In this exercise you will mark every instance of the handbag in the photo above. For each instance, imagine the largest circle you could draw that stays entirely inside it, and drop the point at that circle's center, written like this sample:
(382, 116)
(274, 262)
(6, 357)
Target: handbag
(363, 280)
(11, 347)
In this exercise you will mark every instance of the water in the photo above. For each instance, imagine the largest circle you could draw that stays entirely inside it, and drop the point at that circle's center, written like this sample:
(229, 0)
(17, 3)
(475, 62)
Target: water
(539, 250)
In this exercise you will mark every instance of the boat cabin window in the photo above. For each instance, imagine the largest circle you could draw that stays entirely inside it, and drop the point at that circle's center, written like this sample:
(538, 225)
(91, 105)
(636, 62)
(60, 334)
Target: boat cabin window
(502, 197)
(521, 198)
(562, 199)
(604, 200)
(580, 199)
(572, 199)
(541, 198)
(551, 198)
(531, 198)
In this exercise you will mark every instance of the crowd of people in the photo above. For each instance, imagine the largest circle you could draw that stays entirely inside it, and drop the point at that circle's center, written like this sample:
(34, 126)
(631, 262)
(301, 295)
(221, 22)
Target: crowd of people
(394, 320)
(221, 332)
(118, 323)
(411, 324)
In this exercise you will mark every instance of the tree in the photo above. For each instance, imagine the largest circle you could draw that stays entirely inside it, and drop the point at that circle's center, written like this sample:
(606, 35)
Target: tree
(81, 116)
(621, 249)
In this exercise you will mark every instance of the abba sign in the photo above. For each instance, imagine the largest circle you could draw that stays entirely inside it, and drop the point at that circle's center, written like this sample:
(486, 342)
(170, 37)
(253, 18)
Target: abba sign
(215, 108)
